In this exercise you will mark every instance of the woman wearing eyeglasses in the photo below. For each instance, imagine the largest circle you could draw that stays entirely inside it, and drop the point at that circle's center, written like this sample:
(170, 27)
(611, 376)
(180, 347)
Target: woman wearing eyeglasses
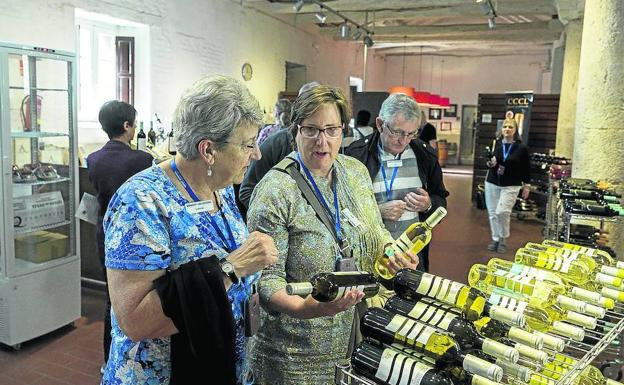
(181, 264)
(300, 339)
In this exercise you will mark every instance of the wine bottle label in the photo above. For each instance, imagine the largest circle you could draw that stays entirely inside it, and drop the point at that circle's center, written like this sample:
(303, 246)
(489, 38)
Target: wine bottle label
(398, 369)
(566, 263)
(479, 380)
(440, 288)
(514, 282)
(568, 330)
(571, 303)
(581, 320)
(413, 353)
(612, 293)
(612, 271)
(585, 295)
(525, 338)
(532, 354)
(608, 280)
(410, 331)
(432, 315)
(619, 264)
(552, 342)
(595, 311)
(528, 271)
(141, 143)
(507, 303)
(343, 290)
(520, 372)
(497, 349)
(483, 368)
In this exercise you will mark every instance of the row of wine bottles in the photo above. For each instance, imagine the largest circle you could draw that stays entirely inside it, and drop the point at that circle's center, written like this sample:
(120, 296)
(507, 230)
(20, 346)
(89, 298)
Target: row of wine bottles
(584, 196)
(150, 140)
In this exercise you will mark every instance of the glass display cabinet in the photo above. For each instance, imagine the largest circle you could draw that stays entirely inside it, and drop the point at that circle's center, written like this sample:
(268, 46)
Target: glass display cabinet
(39, 261)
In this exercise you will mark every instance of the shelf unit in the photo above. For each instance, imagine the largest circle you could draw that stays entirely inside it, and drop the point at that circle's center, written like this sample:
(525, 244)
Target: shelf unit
(39, 261)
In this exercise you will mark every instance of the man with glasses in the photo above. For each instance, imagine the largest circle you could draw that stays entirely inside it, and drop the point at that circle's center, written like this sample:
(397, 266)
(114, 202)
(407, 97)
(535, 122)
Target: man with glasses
(406, 175)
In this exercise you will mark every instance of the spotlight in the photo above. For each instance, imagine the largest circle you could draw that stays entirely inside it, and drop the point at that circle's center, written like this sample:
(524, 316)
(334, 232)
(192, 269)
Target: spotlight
(492, 22)
(321, 17)
(298, 5)
(368, 41)
(344, 31)
(358, 34)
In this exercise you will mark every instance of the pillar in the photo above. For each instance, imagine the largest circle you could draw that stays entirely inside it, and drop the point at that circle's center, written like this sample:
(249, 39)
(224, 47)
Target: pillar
(569, 81)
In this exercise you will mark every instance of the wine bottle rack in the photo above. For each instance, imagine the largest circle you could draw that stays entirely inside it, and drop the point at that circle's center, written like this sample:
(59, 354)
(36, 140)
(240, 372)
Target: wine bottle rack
(598, 353)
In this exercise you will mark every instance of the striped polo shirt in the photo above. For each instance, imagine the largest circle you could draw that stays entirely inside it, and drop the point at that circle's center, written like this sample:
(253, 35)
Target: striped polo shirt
(406, 180)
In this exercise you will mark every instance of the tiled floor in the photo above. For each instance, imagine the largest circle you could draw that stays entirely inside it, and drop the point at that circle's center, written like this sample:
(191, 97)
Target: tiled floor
(73, 355)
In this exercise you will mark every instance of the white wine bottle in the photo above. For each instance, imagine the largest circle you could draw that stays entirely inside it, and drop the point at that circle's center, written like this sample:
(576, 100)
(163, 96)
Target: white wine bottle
(541, 319)
(558, 284)
(390, 367)
(481, 276)
(327, 287)
(573, 270)
(413, 285)
(414, 239)
(462, 330)
(599, 255)
(492, 328)
(590, 375)
(593, 262)
(388, 328)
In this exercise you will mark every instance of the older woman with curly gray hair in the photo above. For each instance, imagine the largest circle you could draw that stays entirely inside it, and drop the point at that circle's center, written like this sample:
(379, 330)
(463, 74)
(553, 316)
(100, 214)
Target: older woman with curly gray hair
(177, 214)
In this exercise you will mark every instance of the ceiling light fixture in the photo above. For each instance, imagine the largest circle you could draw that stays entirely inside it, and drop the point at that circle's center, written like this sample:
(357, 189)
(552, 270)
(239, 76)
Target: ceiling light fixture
(344, 31)
(321, 17)
(492, 22)
(298, 5)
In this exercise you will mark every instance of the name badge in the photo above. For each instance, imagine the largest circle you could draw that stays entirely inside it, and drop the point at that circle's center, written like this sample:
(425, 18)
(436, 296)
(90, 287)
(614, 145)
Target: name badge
(199, 207)
(394, 163)
(351, 218)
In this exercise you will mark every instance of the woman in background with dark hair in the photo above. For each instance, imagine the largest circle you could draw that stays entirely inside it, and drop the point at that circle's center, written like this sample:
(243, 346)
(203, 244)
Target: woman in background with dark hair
(508, 174)
(108, 168)
(282, 120)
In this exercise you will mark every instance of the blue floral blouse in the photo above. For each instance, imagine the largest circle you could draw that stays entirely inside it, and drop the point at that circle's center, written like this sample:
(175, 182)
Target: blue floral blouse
(148, 228)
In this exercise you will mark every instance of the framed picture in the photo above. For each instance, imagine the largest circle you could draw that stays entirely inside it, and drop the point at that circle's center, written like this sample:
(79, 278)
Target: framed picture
(435, 114)
(451, 112)
(446, 126)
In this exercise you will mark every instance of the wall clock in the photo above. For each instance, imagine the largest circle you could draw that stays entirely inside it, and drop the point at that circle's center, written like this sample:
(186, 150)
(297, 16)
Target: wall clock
(247, 71)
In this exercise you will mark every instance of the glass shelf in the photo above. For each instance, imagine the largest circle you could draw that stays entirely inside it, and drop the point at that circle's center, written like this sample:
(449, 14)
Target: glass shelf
(42, 182)
(46, 227)
(36, 134)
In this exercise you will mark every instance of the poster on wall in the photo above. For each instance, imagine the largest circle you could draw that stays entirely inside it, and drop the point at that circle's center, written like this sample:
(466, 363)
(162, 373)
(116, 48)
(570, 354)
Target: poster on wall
(518, 107)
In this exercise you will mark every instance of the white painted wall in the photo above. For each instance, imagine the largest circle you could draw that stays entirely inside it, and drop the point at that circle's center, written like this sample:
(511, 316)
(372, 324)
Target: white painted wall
(460, 78)
(189, 38)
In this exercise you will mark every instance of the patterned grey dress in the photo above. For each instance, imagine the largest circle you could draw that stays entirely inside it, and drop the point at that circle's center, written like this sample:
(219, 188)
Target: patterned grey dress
(295, 351)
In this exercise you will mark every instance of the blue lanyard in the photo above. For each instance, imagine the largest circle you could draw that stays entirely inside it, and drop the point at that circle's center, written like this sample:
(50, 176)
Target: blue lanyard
(318, 194)
(383, 174)
(506, 150)
(229, 243)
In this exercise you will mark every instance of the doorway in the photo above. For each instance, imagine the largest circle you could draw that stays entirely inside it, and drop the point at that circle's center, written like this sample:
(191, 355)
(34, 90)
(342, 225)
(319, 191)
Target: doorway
(296, 76)
(466, 139)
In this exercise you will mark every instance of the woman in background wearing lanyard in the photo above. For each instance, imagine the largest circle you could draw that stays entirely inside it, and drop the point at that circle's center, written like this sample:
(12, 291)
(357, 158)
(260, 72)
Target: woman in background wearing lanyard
(300, 339)
(175, 214)
(508, 173)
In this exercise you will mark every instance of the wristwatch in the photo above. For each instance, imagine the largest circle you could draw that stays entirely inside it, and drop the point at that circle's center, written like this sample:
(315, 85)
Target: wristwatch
(228, 269)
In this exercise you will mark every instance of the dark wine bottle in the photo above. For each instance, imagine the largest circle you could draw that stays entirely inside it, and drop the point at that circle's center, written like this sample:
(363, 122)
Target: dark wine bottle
(592, 195)
(151, 135)
(141, 138)
(413, 285)
(462, 331)
(585, 208)
(326, 287)
(388, 328)
(390, 367)
(171, 146)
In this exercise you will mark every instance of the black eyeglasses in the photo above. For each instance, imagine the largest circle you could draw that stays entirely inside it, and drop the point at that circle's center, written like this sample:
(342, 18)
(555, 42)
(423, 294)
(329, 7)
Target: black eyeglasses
(313, 132)
(399, 133)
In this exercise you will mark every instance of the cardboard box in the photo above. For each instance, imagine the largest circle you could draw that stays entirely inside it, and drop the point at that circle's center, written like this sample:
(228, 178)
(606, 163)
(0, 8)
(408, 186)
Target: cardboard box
(32, 212)
(41, 246)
